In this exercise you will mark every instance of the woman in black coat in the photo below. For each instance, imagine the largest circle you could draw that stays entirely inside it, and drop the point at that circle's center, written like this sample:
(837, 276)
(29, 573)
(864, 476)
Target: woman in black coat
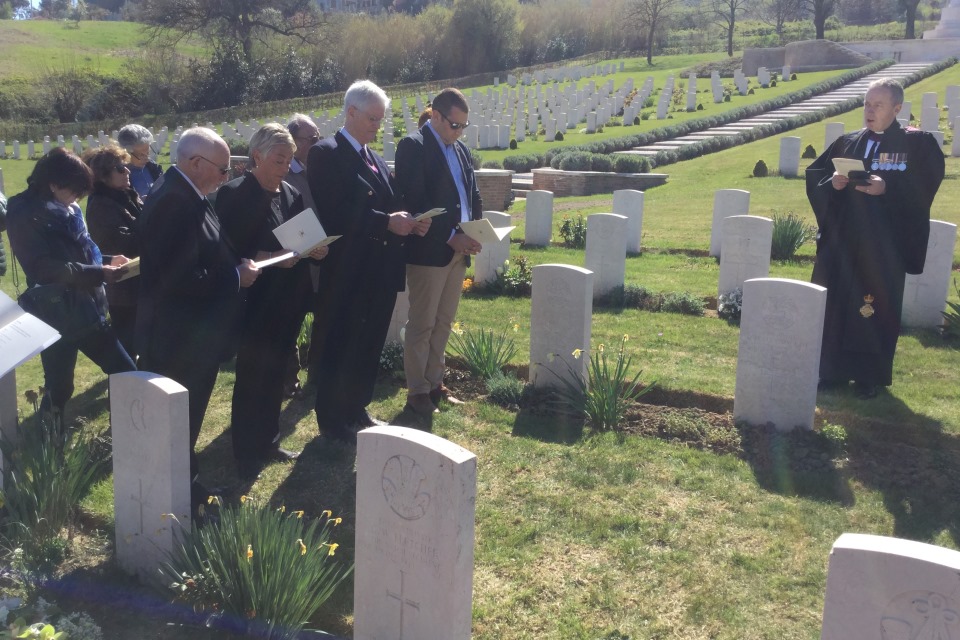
(250, 208)
(49, 238)
(112, 212)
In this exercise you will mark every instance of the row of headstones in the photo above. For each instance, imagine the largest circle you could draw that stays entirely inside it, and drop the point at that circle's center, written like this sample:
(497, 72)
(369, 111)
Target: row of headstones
(76, 143)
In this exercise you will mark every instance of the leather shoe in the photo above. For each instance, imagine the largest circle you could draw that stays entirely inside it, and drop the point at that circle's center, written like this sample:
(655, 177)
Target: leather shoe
(421, 405)
(443, 393)
(364, 420)
(281, 455)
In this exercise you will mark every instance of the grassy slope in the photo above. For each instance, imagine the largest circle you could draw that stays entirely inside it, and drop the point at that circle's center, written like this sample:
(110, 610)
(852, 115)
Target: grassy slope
(606, 537)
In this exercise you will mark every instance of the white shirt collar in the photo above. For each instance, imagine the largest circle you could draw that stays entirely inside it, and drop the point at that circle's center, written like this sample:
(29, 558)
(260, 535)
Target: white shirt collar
(190, 182)
(351, 139)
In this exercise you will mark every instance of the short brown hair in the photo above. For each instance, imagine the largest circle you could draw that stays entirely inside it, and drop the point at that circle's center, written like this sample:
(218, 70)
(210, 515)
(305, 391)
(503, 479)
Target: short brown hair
(104, 160)
(449, 98)
(60, 168)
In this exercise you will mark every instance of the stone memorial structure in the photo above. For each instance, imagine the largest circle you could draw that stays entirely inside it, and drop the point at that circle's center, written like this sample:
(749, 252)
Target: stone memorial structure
(834, 130)
(881, 588)
(416, 496)
(745, 251)
(606, 251)
(493, 255)
(925, 294)
(726, 202)
(561, 309)
(629, 203)
(778, 364)
(539, 219)
(151, 469)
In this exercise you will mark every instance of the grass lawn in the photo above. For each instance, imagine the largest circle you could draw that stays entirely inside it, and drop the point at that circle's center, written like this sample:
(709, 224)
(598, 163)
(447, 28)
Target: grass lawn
(624, 536)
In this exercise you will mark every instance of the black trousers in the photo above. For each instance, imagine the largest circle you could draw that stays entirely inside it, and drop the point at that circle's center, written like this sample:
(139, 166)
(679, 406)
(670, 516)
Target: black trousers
(60, 360)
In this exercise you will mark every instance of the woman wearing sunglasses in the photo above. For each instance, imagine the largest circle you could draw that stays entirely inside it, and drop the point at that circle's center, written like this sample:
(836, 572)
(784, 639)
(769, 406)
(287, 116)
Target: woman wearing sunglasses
(112, 211)
(144, 172)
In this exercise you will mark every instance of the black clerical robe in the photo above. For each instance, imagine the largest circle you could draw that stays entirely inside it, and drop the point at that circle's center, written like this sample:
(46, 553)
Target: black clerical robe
(867, 244)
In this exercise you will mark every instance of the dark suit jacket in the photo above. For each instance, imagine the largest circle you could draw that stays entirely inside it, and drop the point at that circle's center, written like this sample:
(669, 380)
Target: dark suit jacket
(112, 221)
(189, 285)
(354, 202)
(424, 179)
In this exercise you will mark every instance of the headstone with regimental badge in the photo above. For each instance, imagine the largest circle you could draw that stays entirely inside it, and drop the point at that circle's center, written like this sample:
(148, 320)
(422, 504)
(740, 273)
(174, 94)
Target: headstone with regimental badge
(416, 497)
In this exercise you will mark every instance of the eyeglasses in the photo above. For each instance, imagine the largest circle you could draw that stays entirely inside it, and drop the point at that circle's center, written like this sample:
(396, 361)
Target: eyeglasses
(223, 170)
(120, 168)
(454, 125)
(314, 139)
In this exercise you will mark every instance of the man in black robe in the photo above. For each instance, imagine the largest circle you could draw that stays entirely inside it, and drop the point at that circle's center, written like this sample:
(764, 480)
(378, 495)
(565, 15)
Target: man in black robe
(872, 232)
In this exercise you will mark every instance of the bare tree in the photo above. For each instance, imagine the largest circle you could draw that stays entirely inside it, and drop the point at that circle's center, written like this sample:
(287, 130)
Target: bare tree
(725, 12)
(226, 21)
(648, 15)
(777, 13)
(821, 10)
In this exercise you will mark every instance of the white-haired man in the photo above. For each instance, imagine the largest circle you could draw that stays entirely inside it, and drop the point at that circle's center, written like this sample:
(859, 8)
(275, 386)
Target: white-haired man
(356, 197)
(189, 279)
(871, 234)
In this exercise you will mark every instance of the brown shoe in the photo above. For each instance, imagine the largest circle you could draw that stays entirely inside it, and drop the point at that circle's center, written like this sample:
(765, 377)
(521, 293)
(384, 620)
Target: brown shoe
(420, 404)
(443, 393)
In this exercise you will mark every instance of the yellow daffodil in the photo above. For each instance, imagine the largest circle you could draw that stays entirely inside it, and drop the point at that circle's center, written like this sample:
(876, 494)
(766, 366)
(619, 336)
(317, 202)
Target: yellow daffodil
(577, 353)
(282, 508)
(516, 327)
(299, 514)
(327, 513)
(601, 347)
(337, 521)
(243, 499)
(333, 548)
(303, 547)
(249, 552)
(625, 337)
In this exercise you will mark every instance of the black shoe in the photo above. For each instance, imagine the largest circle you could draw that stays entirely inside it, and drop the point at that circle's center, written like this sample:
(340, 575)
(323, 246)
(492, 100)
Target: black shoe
(281, 455)
(364, 420)
(864, 391)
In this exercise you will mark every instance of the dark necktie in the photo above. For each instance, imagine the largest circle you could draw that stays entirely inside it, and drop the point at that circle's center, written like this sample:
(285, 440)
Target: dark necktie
(365, 154)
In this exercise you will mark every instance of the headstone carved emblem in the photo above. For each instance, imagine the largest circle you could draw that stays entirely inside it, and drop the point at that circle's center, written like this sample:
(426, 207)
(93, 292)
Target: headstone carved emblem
(402, 481)
(920, 615)
(136, 415)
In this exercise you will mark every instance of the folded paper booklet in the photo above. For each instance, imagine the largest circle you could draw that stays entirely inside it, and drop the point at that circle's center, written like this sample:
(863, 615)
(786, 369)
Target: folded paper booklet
(22, 335)
(133, 270)
(430, 214)
(483, 232)
(303, 233)
(845, 165)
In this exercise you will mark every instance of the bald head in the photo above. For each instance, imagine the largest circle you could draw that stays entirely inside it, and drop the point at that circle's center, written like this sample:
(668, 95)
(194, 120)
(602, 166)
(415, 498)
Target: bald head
(203, 156)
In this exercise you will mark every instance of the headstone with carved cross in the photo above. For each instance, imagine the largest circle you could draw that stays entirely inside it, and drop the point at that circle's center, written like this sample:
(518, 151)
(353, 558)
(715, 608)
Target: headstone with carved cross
(416, 494)
(151, 469)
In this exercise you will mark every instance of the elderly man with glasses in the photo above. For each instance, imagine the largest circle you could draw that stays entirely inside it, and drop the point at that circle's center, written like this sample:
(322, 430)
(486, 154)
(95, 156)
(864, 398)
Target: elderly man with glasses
(144, 172)
(356, 198)
(190, 280)
(434, 169)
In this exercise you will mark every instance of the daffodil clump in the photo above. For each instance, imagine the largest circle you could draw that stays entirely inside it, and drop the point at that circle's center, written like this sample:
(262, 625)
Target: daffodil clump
(604, 396)
(259, 569)
(484, 352)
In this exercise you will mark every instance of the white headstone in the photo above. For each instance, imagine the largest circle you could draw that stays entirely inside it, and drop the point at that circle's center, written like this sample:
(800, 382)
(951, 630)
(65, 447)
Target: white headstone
(16, 149)
(151, 469)
(952, 92)
(606, 251)
(925, 294)
(726, 202)
(955, 145)
(881, 588)
(492, 255)
(785, 74)
(389, 151)
(592, 122)
(31, 151)
(778, 364)
(504, 140)
(538, 219)
(745, 251)
(789, 156)
(46, 145)
(930, 119)
(833, 131)
(629, 203)
(929, 100)
(3, 150)
(416, 498)
(560, 314)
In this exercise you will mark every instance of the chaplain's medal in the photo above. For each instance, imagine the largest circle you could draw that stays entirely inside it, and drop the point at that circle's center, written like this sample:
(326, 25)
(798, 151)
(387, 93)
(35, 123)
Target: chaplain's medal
(867, 309)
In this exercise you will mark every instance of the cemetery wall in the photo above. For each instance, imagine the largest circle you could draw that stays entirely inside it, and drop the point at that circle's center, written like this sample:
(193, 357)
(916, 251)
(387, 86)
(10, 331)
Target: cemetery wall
(586, 183)
(809, 55)
(771, 58)
(907, 50)
(496, 188)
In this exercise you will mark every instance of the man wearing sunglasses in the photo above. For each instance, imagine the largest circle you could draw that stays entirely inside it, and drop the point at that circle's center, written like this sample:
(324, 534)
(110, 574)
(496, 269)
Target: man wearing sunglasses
(434, 169)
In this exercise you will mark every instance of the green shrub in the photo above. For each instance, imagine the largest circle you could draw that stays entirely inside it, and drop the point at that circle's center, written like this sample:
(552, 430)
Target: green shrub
(267, 567)
(482, 351)
(505, 389)
(760, 169)
(238, 147)
(631, 164)
(559, 136)
(951, 317)
(636, 119)
(684, 302)
(603, 398)
(790, 233)
(793, 76)
(730, 304)
(629, 296)
(47, 476)
(809, 152)
(523, 163)
(576, 161)
(513, 144)
(391, 357)
(700, 107)
(574, 232)
(492, 164)
(476, 158)
(512, 280)
(600, 162)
